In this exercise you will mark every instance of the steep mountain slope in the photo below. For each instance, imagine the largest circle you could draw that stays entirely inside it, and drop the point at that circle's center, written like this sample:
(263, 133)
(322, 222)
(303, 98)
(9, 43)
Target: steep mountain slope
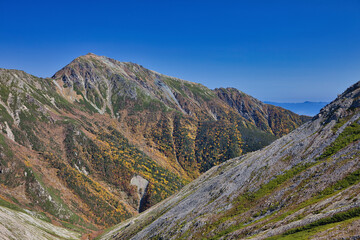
(103, 140)
(72, 165)
(18, 224)
(305, 184)
(268, 118)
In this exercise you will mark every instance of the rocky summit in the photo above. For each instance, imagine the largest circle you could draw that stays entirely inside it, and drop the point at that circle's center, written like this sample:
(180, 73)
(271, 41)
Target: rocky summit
(103, 140)
(304, 185)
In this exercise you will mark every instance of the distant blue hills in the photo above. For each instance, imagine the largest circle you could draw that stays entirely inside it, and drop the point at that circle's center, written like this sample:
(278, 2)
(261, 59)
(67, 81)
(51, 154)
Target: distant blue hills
(305, 108)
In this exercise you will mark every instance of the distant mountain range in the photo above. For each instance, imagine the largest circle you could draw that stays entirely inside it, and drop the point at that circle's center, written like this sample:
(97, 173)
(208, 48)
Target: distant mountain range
(305, 108)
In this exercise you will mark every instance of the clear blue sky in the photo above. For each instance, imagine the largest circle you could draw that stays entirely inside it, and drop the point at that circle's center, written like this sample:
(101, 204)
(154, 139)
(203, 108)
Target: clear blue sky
(287, 51)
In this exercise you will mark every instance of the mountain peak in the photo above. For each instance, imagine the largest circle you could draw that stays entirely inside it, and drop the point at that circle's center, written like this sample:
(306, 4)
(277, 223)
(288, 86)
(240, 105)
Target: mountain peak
(89, 56)
(102, 80)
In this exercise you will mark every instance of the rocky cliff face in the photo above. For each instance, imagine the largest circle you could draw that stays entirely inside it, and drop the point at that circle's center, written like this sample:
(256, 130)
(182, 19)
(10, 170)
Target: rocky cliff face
(73, 147)
(304, 185)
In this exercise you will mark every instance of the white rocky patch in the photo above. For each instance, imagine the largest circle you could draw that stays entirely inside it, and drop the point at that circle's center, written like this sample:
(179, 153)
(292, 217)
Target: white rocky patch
(9, 133)
(141, 184)
(165, 88)
(113, 66)
(82, 170)
(213, 115)
(8, 110)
